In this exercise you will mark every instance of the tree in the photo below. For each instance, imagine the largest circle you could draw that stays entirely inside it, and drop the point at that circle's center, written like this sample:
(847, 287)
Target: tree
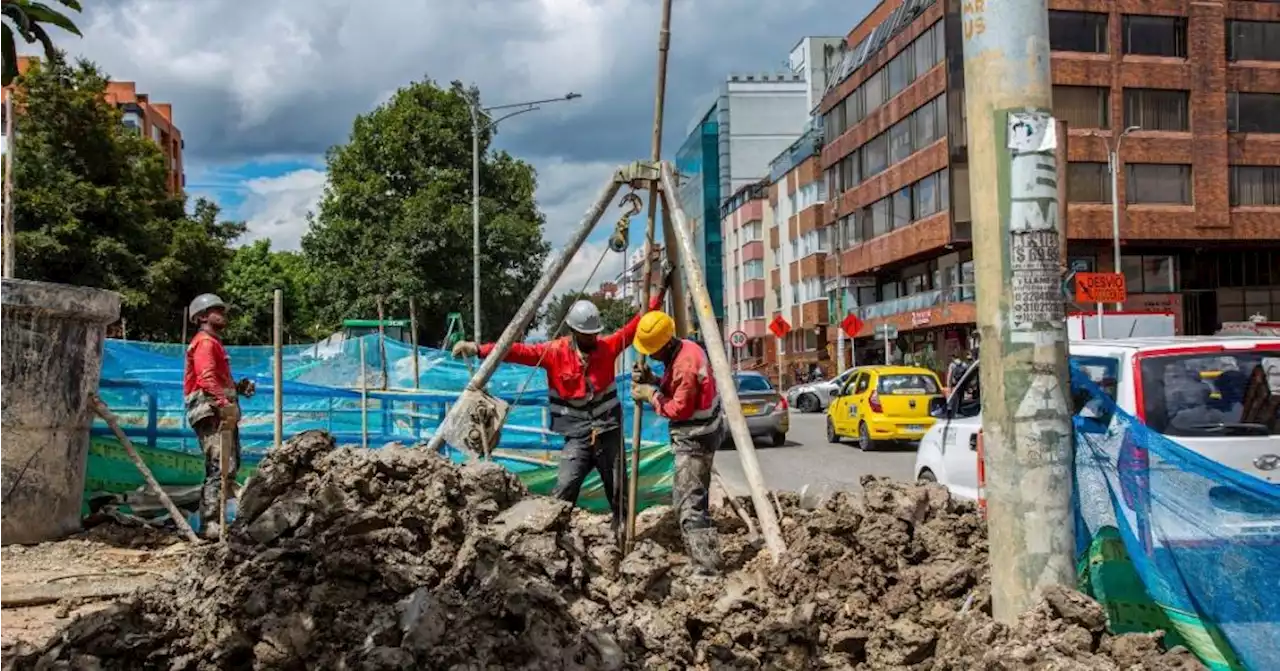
(91, 205)
(29, 19)
(395, 219)
(614, 312)
(252, 277)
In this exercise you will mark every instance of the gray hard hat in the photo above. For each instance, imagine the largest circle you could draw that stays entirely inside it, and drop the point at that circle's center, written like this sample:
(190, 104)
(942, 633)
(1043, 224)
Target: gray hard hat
(584, 317)
(203, 303)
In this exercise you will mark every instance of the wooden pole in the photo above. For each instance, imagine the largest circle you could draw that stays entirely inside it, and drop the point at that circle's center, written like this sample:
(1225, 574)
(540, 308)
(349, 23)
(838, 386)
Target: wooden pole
(364, 400)
(382, 344)
(100, 408)
(277, 381)
(9, 245)
(413, 332)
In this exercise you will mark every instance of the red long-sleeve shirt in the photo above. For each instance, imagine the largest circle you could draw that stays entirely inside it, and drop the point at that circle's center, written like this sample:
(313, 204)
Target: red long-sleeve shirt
(208, 368)
(684, 387)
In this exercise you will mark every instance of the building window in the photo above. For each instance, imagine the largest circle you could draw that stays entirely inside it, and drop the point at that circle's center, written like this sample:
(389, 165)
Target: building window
(1253, 40)
(902, 69)
(753, 270)
(880, 221)
(1157, 109)
(900, 140)
(1078, 31)
(902, 207)
(926, 196)
(928, 122)
(1253, 112)
(1255, 185)
(1155, 35)
(1158, 183)
(753, 231)
(1088, 183)
(939, 42)
(133, 120)
(1082, 106)
(1150, 273)
(873, 91)
(754, 308)
(875, 155)
(926, 51)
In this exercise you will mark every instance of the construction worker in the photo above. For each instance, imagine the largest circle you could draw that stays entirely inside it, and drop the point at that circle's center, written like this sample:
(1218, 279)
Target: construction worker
(686, 396)
(583, 395)
(213, 408)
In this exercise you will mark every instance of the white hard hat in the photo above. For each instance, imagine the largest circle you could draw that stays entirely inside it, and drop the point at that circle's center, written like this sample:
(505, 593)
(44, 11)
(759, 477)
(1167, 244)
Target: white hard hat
(584, 317)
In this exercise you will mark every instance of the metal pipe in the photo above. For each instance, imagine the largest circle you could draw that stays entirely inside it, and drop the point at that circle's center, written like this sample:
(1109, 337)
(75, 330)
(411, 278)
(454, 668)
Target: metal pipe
(364, 400)
(724, 375)
(516, 327)
(413, 338)
(382, 344)
(1115, 206)
(277, 373)
(1027, 433)
(475, 219)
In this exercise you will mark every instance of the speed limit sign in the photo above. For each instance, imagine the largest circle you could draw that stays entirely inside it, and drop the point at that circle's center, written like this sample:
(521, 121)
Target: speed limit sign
(738, 339)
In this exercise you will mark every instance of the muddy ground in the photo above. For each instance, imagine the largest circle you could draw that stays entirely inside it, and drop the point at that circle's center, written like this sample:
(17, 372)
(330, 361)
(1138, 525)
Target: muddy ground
(397, 559)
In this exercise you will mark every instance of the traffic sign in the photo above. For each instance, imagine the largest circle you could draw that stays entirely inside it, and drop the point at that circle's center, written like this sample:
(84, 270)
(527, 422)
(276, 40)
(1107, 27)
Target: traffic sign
(887, 331)
(738, 339)
(1100, 288)
(780, 327)
(851, 325)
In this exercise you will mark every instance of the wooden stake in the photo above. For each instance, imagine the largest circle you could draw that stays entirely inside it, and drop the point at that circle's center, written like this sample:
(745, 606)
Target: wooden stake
(100, 409)
(413, 332)
(364, 400)
(382, 344)
(277, 381)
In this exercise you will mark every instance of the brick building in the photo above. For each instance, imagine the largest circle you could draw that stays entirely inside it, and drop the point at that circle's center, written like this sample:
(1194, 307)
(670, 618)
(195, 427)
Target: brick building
(152, 119)
(1193, 89)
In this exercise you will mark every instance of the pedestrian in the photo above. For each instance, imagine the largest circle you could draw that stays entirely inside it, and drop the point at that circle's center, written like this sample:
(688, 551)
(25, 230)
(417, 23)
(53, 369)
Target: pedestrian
(686, 396)
(582, 395)
(213, 409)
(956, 370)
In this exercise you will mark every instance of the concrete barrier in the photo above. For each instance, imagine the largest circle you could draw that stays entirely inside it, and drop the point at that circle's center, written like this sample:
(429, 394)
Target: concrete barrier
(51, 358)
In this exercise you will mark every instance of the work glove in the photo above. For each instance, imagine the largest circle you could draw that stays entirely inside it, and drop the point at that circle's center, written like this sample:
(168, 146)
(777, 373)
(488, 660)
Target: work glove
(246, 388)
(465, 348)
(643, 375)
(643, 392)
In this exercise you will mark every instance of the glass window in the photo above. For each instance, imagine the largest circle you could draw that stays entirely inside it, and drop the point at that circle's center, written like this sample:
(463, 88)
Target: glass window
(908, 384)
(753, 231)
(1255, 185)
(944, 189)
(1206, 394)
(1088, 182)
(925, 120)
(1253, 112)
(1078, 31)
(755, 382)
(1155, 35)
(1158, 183)
(925, 49)
(1253, 40)
(902, 207)
(1082, 106)
(856, 107)
(875, 155)
(926, 193)
(753, 270)
(880, 222)
(873, 91)
(1157, 109)
(902, 71)
(754, 308)
(900, 140)
(939, 42)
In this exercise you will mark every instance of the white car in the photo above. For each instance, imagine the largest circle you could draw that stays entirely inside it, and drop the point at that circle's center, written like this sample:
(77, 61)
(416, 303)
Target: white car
(816, 396)
(1190, 389)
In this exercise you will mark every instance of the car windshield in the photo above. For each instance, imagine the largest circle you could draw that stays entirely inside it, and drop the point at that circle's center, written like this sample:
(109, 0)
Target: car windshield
(908, 383)
(753, 383)
(1205, 394)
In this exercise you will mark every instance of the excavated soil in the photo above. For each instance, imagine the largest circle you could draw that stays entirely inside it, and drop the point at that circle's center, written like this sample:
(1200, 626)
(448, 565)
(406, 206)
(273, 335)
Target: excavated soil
(397, 559)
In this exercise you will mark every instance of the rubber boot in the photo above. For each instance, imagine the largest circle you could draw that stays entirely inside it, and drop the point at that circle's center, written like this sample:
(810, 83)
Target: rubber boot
(704, 549)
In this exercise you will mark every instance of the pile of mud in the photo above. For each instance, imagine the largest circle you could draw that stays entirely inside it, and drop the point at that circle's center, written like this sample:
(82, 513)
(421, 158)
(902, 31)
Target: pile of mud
(397, 559)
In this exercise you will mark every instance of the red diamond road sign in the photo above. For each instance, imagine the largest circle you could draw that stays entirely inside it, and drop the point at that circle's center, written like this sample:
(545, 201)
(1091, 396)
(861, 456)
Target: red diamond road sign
(780, 327)
(851, 325)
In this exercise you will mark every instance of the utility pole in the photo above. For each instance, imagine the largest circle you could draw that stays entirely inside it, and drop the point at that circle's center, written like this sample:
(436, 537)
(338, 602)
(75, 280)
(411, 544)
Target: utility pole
(10, 245)
(839, 316)
(1027, 430)
(1115, 212)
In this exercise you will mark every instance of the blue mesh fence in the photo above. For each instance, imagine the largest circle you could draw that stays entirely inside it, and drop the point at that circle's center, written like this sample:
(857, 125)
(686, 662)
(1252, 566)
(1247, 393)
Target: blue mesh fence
(1202, 538)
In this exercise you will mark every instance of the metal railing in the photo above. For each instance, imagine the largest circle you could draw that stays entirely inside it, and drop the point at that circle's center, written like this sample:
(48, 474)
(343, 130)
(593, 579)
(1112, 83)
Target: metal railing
(960, 293)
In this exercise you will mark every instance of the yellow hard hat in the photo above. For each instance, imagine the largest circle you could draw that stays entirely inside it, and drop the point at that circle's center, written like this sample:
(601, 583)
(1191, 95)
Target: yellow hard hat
(655, 330)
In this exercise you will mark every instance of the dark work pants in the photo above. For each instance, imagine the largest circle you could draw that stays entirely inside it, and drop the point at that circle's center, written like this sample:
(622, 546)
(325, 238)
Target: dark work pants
(579, 456)
(691, 491)
(211, 436)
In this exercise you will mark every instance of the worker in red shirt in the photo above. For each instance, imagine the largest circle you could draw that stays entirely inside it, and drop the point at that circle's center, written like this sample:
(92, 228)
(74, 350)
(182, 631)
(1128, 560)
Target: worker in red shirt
(213, 408)
(582, 395)
(686, 396)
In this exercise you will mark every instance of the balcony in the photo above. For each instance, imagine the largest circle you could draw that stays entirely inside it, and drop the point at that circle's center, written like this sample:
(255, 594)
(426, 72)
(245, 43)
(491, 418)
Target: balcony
(939, 307)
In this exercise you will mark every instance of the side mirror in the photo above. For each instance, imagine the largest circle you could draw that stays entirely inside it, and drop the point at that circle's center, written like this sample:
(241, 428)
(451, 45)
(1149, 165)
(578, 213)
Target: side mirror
(938, 407)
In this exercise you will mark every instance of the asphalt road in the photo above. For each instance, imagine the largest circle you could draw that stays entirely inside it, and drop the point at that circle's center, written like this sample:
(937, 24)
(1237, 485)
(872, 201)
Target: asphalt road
(808, 459)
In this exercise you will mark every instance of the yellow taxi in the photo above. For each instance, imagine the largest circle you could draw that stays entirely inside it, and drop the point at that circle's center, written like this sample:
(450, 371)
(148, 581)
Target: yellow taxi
(880, 404)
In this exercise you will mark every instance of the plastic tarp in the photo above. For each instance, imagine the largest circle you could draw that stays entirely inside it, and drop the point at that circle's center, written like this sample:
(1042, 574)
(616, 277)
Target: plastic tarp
(1169, 539)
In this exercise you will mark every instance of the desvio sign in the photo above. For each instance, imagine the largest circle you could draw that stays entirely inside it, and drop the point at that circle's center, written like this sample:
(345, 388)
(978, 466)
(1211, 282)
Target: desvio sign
(1100, 288)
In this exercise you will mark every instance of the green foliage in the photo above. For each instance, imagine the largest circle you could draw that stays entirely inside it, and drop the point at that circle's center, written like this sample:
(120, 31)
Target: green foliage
(249, 288)
(29, 19)
(614, 312)
(395, 219)
(91, 206)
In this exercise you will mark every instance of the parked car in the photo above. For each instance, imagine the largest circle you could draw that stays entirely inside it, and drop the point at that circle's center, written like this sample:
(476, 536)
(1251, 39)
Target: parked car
(883, 404)
(766, 410)
(1192, 390)
(816, 396)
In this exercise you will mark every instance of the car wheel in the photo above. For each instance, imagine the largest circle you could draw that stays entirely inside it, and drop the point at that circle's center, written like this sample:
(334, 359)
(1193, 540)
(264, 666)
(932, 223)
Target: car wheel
(779, 439)
(808, 403)
(832, 437)
(864, 438)
(926, 476)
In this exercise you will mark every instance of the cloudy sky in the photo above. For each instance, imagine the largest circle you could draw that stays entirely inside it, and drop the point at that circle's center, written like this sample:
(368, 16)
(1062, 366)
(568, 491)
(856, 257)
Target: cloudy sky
(260, 90)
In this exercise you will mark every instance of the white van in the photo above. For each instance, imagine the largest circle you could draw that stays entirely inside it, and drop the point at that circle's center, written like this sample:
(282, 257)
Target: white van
(1216, 395)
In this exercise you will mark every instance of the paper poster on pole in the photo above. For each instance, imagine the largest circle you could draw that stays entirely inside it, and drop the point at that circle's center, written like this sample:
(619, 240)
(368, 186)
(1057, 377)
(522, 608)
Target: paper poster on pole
(1033, 226)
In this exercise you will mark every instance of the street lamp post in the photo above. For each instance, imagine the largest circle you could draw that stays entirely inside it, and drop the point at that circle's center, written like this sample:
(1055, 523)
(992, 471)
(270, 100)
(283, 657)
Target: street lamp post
(1115, 203)
(480, 123)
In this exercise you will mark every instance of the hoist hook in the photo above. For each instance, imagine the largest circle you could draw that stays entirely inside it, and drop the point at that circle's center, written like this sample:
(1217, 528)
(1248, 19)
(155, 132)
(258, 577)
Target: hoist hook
(620, 238)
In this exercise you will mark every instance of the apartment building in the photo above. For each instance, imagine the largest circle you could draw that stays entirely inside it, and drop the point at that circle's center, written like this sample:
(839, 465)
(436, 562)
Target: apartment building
(746, 259)
(152, 119)
(1188, 93)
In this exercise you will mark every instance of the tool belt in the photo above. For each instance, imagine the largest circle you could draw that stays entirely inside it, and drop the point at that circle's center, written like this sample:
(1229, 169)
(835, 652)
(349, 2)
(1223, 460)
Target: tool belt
(201, 405)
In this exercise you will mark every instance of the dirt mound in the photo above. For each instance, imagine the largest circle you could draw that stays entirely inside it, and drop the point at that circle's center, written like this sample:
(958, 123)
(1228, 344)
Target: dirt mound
(396, 558)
